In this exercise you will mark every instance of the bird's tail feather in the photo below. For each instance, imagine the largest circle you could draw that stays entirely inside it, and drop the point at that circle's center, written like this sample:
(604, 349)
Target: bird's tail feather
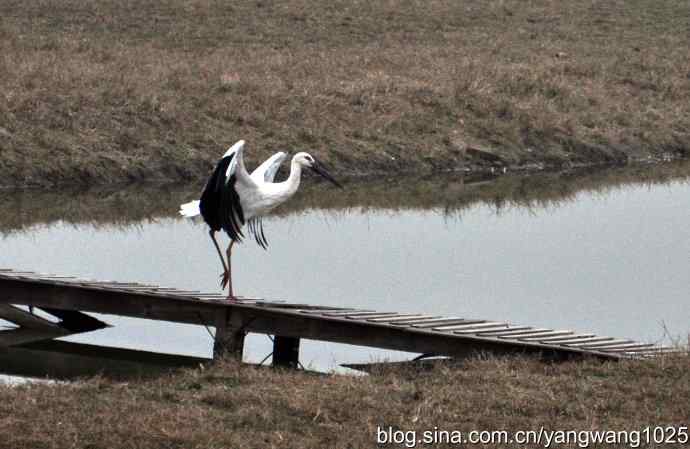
(190, 209)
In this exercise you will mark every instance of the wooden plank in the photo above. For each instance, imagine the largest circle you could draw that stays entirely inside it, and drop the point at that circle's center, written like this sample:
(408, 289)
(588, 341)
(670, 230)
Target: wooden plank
(357, 312)
(57, 359)
(22, 335)
(509, 330)
(107, 301)
(292, 306)
(358, 316)
(25, 319)
(584, 341)
(476, 331)
(545, 333)
(446, 322)
(664, 350)
(54, 276)
(323, 310)
(558, 339)
(402, 317)
(412, 321)
(434, 320)
(629, 348)
(112, 284)
(606, 344)
(75, 321)
(173, 292)
(479, 325)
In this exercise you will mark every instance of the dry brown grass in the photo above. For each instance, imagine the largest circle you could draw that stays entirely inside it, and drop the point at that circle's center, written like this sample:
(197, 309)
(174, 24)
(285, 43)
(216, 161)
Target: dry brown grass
(231, 406)
(112, 90)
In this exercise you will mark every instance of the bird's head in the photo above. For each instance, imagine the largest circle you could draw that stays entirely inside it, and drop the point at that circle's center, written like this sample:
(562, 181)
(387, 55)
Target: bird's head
(309, 161)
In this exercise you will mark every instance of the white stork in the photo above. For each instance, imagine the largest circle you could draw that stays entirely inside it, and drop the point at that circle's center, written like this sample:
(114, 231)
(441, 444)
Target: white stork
(233, 197)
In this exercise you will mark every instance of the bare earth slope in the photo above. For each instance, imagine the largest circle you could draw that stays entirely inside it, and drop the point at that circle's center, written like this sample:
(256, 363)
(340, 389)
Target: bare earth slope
(116, 90)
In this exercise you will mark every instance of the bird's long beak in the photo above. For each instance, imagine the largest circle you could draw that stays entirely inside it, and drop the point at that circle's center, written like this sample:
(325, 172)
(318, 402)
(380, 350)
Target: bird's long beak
(319, 168)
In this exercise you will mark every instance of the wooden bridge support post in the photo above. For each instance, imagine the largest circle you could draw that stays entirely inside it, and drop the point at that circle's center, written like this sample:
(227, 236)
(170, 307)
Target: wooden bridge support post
(229, 338)
(286, 352)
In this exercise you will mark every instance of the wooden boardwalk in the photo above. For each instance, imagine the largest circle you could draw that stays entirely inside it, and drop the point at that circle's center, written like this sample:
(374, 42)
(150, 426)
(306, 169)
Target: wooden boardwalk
(66, 299)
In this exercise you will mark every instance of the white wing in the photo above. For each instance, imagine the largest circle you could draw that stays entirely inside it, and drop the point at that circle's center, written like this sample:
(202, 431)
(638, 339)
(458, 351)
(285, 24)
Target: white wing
(266, 172)
(236, 148)
(190, 209)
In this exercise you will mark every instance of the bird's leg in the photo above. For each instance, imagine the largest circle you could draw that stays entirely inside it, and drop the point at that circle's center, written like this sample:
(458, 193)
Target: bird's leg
(231, 295)
(225, 274)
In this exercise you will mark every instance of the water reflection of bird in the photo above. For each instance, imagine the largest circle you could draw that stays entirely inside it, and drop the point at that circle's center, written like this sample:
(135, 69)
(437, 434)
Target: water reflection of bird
(233, 197)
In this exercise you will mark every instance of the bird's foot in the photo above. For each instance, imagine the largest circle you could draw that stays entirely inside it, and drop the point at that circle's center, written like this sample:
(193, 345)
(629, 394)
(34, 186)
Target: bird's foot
(224, 279)
(232, 298)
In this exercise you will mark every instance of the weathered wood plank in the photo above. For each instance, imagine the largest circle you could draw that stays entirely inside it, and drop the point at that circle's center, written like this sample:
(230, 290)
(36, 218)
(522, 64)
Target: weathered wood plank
(108, 301)
(401, 317)
(584, 341)
(66, 360)
(431, 320)
(366, 315)
(629, 348)
(612, 343)
(324, 310)
(506, 330)
(25, 319)
(421, 319)
(57, 278)
(558, 338)
(446, 322)
(75, 321)
(355, 312)
(536, 333)
(476, 330)
(465, 326)
(22, 335)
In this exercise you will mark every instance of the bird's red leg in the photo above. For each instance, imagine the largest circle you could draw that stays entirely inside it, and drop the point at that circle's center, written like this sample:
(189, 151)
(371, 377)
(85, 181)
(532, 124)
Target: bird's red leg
(231, 295)
(224, 276)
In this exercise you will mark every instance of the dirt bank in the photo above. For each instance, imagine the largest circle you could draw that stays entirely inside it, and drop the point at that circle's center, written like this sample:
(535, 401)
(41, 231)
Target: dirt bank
(111, 91)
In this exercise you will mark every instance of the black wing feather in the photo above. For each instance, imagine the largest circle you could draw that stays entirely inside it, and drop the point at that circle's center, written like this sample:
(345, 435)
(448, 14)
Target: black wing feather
(263, 236)
(256, 228)
(220, 204)
(231, 214)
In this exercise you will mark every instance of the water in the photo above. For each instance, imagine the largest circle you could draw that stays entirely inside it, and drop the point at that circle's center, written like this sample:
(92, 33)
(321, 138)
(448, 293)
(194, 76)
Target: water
(610, 260)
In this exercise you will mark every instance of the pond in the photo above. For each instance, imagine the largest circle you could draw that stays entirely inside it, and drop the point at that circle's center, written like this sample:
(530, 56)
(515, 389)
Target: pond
(590, 251)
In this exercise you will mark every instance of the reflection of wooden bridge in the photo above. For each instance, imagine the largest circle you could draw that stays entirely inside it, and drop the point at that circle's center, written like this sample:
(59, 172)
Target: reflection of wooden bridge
(61, 301)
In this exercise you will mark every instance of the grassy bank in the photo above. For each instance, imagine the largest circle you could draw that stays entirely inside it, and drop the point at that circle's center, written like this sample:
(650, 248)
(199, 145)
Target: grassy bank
(109, 90)
(231, 406)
